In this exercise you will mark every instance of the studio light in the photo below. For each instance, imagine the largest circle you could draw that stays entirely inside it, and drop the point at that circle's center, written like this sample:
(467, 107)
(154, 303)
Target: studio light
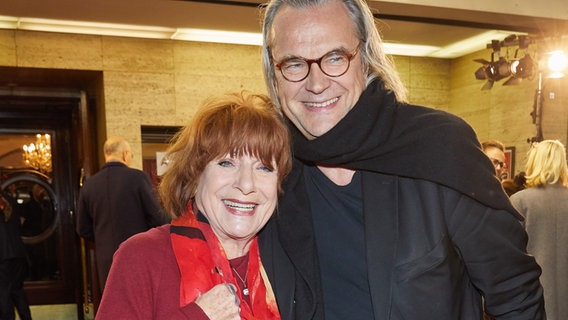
(501, 69)
(557, 63)
(521, 69)
(492, 70)
(516, 69)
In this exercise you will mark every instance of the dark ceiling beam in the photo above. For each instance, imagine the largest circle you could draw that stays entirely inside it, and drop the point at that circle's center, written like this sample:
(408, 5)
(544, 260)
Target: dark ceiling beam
(228, 2)
(521, 27)
(457, 23)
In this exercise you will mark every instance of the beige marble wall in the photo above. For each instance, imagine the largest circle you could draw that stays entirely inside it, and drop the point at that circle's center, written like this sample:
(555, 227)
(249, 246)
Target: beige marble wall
(427, 80)
(145, 81)
(7, 48)
(57, 50)
(161, 82)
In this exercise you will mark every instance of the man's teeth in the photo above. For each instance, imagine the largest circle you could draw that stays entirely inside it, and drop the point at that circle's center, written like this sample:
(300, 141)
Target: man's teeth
(322, 104)
(238, 206)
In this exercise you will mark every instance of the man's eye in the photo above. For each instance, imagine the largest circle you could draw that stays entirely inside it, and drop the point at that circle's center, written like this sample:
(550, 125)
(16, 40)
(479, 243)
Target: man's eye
(293, 65)
(335, 58)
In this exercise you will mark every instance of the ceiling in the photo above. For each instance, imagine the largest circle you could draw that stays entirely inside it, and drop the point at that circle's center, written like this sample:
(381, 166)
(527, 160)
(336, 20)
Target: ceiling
(400, 23)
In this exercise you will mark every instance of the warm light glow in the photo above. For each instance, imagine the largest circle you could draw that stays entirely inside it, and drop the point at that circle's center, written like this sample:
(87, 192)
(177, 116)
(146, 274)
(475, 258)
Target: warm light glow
(8, 22)
(469, 45)
(94, 28)
(557, 63)
(38, 155)
(203, 35)
(409, 49)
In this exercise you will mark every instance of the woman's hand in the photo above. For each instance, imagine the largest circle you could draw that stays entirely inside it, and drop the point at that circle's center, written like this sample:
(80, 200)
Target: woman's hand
(220, 303)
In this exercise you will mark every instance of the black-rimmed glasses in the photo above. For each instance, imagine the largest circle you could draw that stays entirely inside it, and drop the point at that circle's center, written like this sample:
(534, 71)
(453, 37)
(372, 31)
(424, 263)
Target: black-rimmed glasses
(333, 64)
(496, 163)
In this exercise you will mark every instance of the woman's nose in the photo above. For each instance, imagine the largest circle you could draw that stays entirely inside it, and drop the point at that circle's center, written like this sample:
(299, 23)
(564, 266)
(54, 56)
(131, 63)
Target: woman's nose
(245, 180)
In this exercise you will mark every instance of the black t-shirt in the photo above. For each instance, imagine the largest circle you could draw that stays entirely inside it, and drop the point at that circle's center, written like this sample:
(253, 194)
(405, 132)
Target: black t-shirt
(340, 240)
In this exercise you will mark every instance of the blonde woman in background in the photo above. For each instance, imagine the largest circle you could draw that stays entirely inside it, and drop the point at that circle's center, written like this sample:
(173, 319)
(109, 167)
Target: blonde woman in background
(544, 204)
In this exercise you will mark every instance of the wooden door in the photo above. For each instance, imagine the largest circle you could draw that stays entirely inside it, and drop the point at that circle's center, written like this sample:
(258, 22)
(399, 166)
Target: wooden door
(45, 193)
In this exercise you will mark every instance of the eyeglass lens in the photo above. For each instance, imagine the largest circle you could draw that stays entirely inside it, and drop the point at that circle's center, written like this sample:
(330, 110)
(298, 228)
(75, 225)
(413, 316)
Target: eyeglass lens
(498, 163)
(333, 64)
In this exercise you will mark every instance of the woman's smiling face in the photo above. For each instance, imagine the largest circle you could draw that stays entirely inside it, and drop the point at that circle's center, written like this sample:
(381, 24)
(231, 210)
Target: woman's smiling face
(237, 194)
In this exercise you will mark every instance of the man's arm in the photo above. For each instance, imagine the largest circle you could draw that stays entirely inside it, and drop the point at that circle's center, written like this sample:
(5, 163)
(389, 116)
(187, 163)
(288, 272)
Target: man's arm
(493, 246)
(84, 225)
(153, 211)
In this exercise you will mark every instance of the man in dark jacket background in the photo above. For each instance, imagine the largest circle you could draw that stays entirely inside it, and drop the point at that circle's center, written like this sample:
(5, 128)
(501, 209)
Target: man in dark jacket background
(13, 264)
(116, 203)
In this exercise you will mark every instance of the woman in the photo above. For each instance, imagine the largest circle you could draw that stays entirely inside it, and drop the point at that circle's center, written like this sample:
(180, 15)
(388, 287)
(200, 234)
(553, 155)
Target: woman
(221, 188)
(544, 204)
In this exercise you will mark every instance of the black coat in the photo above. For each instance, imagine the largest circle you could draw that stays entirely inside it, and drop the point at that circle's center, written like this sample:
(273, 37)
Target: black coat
(11, 244)
(114, 204)
(426, 259)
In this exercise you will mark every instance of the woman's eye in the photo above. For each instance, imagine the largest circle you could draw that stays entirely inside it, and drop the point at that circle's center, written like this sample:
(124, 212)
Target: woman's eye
(266, 168)
(225, 163)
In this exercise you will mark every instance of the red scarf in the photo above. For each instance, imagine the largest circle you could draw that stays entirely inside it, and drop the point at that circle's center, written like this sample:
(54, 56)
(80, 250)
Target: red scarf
(204, 264)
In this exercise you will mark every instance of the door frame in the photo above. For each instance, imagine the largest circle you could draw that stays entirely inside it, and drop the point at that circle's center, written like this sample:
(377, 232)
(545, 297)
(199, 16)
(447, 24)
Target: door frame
(70, 100)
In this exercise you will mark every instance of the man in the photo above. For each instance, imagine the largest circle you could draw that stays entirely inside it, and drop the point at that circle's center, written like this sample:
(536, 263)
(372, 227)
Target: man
(495, 151)
(391, 210)
(115, 204)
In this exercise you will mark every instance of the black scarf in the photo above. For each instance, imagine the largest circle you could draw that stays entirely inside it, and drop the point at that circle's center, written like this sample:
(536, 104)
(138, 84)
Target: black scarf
(381, 135)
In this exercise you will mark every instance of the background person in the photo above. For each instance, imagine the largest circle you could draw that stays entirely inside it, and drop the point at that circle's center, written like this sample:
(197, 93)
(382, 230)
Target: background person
(495, 151)
(544, 204)
(514, 185)
(391, 211)
(116, 203)
(13, 264)
(221, 187)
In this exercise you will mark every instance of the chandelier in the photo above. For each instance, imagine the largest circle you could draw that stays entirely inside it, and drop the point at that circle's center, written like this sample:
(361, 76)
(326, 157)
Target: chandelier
(38, 155)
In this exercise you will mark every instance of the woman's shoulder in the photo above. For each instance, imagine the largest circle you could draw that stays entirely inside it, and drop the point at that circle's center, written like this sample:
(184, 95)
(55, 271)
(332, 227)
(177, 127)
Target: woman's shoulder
(153, 243)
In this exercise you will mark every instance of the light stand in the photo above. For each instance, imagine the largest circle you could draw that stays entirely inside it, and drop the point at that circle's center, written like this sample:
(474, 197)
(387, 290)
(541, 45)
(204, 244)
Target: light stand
(537, 112)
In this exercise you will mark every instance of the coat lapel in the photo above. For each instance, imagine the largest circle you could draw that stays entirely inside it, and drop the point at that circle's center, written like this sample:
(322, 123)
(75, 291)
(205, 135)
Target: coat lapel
(295, 228)
(381, 232)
